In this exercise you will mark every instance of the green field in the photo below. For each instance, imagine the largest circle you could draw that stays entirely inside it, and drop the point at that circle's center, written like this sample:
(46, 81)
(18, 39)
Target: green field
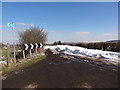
(29, 61)
(3, 52)
(22, 65)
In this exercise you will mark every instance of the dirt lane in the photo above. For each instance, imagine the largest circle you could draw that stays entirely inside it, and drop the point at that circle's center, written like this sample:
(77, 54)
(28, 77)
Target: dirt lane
(45, 74)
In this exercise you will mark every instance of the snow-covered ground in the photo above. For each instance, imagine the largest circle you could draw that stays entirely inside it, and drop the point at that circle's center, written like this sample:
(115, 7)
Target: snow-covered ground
(3, 62)
(80, 51)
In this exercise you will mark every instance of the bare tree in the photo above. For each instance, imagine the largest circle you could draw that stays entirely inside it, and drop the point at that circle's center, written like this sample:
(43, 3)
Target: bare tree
(33, 35)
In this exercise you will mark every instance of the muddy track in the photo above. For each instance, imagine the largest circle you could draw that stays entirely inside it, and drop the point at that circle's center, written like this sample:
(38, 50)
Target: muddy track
(52, 72)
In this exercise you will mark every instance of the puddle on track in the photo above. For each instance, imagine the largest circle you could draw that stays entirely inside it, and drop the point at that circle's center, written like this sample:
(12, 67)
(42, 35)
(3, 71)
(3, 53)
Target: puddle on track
(89, 62)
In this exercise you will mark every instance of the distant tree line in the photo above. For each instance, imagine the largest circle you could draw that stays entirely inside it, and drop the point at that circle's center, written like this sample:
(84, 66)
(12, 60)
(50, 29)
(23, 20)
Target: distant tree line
(105, 46)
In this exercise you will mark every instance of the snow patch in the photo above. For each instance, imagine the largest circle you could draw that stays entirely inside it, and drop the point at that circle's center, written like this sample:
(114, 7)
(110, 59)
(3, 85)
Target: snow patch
(3, 62)
(80, 51)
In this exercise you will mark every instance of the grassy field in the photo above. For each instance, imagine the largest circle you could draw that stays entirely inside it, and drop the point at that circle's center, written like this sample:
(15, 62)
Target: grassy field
(22, 65)
(3, 53)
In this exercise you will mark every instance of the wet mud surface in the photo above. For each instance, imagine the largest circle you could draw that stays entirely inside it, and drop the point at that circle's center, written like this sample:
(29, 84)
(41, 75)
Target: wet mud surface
(64, 71)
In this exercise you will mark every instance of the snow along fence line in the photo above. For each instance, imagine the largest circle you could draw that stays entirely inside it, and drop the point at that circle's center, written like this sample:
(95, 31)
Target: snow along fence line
(80, 51)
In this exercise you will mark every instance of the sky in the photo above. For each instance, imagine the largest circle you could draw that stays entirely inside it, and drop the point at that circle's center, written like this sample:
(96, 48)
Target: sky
(63, 21)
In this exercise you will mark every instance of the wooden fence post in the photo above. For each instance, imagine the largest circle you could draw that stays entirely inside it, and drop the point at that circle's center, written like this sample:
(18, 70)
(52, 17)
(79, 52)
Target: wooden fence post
(36, 50)
(30, 53)
(24, 54)
(8, 54)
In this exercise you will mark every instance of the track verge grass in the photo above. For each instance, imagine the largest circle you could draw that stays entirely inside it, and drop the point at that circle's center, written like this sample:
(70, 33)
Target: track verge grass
(24, 64)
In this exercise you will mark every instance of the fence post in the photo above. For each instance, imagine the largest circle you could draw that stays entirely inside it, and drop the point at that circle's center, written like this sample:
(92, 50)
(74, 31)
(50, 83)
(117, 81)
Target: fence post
(8, 54)
(24, 54)
(36, 50)
(30, 53)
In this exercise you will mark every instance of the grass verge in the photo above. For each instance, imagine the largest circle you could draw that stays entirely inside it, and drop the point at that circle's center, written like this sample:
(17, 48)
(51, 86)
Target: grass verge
(22, 65)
